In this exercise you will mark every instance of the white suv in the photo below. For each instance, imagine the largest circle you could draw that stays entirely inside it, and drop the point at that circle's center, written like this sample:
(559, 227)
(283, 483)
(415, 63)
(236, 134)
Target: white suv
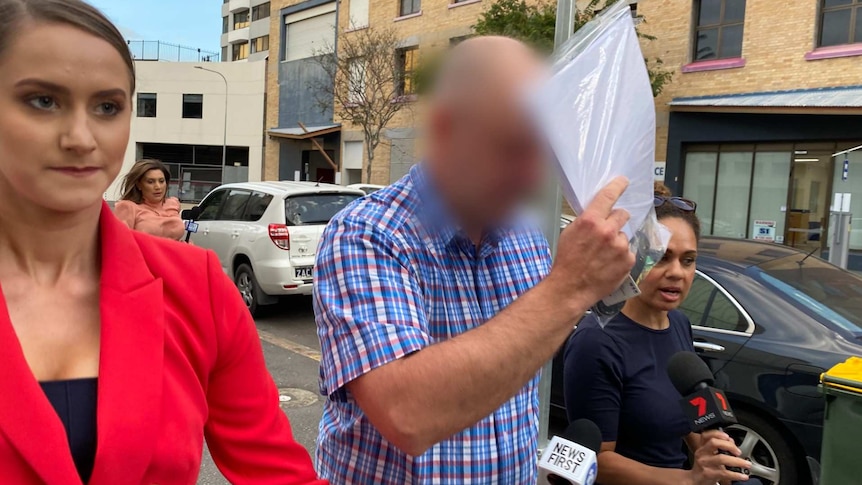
(266, 233)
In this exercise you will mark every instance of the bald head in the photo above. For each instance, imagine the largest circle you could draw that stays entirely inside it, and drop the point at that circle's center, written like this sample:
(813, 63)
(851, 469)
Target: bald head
(482, 147)
(489, 65)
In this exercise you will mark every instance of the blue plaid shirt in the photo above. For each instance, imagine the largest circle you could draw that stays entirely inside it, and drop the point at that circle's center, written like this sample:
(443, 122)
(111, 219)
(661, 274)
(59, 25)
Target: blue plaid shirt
(393, 276)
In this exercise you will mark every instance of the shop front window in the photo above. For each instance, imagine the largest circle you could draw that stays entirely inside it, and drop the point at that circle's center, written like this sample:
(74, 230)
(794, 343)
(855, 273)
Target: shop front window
(851, 186)
(780, 193)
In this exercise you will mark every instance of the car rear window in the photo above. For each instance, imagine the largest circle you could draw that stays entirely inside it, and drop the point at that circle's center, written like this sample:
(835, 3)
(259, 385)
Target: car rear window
(819, 287)
(310, 209)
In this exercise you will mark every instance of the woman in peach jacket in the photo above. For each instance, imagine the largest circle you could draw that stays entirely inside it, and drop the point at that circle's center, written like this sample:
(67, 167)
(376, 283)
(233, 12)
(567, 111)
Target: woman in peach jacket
(146, 206)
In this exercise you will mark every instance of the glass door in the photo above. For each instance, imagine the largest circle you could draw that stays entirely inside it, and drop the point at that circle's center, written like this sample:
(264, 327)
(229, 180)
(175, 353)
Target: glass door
(808, 212)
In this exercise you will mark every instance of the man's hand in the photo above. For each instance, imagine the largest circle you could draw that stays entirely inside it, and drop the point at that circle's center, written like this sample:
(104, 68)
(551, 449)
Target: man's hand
(710, 467)
(593, 256)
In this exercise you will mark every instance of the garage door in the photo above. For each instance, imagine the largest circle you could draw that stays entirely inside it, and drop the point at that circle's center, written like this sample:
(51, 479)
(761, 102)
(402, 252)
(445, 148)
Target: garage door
(307, 37)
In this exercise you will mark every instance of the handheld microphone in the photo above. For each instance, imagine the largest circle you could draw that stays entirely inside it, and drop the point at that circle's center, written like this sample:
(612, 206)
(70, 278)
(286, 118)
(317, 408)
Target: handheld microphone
(570, 459)
(706, 407)
(190, 215)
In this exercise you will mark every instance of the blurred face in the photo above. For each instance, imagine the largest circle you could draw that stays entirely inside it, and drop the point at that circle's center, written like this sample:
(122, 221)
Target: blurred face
(64, 117)
(485, 148)
(153, 186)
(668, 283)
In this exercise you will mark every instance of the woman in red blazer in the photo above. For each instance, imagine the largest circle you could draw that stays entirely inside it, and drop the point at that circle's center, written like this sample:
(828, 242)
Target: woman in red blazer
(120, 351)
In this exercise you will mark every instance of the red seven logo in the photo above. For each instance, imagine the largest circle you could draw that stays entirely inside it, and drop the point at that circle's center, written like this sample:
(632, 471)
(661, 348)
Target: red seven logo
(721, 398)
(700, 404)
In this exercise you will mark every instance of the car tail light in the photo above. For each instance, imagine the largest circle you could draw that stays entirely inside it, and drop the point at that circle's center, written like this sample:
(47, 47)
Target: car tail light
(279, 235)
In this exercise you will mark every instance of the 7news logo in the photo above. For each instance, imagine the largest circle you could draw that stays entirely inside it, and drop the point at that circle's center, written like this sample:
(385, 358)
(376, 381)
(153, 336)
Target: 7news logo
(700, 403)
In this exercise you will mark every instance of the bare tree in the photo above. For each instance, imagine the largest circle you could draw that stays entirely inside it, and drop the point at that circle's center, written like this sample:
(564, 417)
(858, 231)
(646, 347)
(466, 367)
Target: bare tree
(365, 82)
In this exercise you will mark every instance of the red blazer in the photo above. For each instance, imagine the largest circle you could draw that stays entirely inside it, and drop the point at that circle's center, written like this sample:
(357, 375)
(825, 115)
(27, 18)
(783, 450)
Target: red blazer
(180, 359)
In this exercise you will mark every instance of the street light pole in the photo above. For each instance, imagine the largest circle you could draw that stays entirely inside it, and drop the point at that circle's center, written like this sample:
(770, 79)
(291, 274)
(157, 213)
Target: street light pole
(551, 204)
(224, 139)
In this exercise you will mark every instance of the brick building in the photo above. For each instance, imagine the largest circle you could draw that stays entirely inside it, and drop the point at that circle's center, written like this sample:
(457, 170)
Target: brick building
(764, 93)
(299, 31)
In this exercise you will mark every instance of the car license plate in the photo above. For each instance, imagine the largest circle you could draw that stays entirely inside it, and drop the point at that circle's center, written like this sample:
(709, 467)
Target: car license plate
(304, 272)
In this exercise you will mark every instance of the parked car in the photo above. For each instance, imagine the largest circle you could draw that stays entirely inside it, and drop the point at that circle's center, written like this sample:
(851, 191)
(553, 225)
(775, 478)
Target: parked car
(367, 188)
(266, 233)
(768, 320)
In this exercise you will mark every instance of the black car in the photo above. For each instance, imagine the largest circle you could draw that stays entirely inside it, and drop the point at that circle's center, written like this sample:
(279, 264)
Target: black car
(768, 320)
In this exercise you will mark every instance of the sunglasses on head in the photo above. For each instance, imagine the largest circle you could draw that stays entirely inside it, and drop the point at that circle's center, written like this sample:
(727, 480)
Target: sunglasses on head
(680, 203)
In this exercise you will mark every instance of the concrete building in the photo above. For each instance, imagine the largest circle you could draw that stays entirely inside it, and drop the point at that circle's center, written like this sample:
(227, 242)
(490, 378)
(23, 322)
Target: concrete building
(179, 118)
(300, 31)
(245, 30)
(761, 99)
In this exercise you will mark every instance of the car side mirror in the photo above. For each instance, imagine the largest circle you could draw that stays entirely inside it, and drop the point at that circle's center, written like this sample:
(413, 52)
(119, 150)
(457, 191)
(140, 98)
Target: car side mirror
(191, 214)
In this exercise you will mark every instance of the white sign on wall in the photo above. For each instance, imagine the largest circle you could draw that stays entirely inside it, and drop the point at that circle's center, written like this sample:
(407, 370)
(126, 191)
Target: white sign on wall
(660, 168)
(764, 230)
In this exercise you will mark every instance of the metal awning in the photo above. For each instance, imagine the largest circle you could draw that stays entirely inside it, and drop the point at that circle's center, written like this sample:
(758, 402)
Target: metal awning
(298, 133)
(846, 99)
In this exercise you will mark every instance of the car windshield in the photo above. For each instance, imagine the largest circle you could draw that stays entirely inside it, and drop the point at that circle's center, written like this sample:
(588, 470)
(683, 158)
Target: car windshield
(819, 287)
(307, 209)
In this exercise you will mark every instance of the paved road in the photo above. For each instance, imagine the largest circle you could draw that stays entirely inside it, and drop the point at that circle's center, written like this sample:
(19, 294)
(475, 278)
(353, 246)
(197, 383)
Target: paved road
(290, 345)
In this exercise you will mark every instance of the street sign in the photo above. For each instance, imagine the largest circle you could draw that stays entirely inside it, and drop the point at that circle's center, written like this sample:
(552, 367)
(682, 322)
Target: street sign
(846, 172)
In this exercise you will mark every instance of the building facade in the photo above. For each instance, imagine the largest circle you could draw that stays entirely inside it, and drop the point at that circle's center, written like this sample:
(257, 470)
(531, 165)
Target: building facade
(762, 103)
(180, 118)
(302, 139)
(422, 27)
(245, 30)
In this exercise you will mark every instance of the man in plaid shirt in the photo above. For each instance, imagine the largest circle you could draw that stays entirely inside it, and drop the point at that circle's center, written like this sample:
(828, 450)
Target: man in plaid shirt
(436, 305)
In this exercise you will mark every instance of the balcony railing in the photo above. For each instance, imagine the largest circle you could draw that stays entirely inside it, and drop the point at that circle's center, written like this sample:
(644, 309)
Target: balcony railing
(156, 50)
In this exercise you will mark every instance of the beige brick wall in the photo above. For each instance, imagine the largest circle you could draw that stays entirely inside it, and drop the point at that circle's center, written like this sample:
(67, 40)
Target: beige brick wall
(776, 37)
(271, 146)
(429, 31)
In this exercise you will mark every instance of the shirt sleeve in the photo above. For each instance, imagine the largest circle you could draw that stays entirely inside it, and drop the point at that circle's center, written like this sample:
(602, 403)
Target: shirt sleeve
(126, 211)
(247, 433)
(593, 380)
(368, 304)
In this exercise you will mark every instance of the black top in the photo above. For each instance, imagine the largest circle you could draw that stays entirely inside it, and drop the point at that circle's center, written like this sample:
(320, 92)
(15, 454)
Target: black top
(75, 403)
(617, 378)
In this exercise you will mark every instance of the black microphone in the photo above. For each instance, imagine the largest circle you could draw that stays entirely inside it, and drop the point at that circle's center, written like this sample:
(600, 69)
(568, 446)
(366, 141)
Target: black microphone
(570, 459)
(190, 215)
(706, 407)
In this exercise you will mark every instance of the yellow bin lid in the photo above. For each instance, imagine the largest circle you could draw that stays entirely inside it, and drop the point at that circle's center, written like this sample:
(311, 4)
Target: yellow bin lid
(846, 375)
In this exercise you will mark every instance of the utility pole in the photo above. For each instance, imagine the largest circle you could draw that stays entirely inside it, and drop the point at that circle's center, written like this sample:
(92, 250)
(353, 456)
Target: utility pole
(224, 138)
(552, 209)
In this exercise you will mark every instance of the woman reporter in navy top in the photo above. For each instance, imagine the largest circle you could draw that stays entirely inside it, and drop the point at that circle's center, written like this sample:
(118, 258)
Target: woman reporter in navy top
(617, 376)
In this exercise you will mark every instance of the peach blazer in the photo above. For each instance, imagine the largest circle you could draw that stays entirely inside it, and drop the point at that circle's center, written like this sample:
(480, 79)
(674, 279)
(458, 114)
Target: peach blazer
(158, 220)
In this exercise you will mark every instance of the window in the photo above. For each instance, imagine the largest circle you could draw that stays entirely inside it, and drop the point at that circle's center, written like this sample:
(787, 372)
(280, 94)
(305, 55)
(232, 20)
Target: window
(260, 44)
(225, 25)
(407, 62)
(256, 207)
(315, 209)
(234, 206)
(240, 20)
(146, 105)
(707, 306)
(358, 11)
(356, 83)
(224, 54)
(840, 22)
(410, 7)
(260, 12)
(193, 106)
(719, 29)
(211, 206)
(240, 51)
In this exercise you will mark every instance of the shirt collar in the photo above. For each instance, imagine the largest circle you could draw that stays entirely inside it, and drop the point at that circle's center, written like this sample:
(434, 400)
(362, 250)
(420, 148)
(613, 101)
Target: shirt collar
(442, 225)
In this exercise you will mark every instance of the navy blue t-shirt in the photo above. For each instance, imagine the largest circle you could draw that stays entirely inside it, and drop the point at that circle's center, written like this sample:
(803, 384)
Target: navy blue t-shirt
(617, 378)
